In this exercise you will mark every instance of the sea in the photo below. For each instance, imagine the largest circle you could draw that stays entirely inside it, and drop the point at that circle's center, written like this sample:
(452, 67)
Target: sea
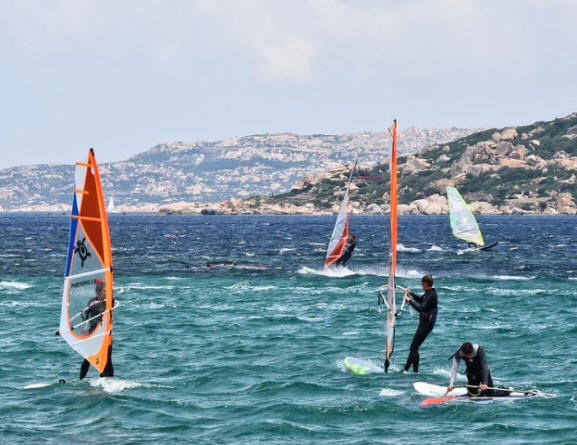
(254, 353)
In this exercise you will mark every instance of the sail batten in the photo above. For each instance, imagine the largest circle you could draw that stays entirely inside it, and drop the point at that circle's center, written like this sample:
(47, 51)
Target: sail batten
(87, 274)
(87, 302)
(340, 233)
(463, 222)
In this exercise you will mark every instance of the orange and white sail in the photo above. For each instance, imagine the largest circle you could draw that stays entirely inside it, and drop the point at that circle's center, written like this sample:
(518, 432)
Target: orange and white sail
(340, 234)
(87, 301)
(390, 300)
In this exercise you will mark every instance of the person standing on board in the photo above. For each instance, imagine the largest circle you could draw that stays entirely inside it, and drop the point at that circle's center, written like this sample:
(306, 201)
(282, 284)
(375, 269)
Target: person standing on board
(426, 305)
(95, 307)
(478, 372)
(349, 247)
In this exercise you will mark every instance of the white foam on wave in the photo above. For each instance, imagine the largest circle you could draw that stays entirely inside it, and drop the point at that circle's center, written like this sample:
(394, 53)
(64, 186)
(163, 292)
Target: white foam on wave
(446, 372)
(280, 308)
(401, 248)
(114, 384)
(434, 248)
(248, 254)
(310, 319)
(389, 392)
(572, 278)
(37, 385)
(408, 273)
(459, 288)
(350, 333)
(14, 285)
(514, 292)
(13, 303)
(376, 270)
(146, 287)
(286, 249)
(153, 305)
(238, 286)
(513, 277)
(263, 288)
(332, 272)
(245, 285)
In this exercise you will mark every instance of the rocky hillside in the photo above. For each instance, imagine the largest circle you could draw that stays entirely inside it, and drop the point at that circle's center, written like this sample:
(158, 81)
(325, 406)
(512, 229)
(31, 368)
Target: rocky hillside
(209, 171)
(527, 169)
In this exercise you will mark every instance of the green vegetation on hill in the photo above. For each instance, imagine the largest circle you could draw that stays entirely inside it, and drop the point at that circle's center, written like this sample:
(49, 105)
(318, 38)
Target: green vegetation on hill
(498, 166)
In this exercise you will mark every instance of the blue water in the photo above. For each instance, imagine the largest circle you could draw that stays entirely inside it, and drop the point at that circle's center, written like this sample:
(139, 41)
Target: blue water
(255, 356)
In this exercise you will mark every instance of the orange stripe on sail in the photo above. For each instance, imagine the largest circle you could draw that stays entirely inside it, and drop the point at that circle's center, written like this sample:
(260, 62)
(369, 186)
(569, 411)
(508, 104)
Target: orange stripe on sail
(340, 247)
(95, 224)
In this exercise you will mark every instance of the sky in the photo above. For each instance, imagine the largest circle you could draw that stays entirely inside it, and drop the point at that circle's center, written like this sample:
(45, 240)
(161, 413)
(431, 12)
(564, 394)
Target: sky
(122, 76)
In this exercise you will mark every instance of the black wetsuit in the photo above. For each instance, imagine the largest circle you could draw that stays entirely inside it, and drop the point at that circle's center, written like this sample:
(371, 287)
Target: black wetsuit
(426, 305)
(108, 371)
(92, 311)
(477, 372)
(346, 256)
(95, 307)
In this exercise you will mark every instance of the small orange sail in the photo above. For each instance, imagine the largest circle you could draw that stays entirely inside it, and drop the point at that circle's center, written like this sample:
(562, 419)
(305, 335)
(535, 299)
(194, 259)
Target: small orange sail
(391, 306)
(340, 234)
(87, 301)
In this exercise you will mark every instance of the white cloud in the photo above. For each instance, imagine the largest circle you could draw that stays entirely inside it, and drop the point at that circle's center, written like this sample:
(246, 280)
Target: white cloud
(291, 60)
(303, 40)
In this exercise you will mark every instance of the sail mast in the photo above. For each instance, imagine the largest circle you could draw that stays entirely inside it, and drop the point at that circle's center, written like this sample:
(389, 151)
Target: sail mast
(391, 306)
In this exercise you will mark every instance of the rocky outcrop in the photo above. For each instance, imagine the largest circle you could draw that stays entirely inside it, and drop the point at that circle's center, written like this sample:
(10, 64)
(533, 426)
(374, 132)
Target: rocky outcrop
(239, 167)
(565, 204)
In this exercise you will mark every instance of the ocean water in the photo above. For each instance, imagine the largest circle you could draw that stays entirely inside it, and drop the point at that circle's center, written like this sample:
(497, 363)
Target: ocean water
(255, 355)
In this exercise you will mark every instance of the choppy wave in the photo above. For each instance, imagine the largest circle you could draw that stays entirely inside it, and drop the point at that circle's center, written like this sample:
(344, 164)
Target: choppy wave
(513, 277)
(402, 248)
(238, 356)
(114, 384)
(14, 285)
(389, 392)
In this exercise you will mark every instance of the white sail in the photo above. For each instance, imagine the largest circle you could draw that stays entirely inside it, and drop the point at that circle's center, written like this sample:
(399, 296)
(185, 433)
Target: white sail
(110, 207)
(463, 222)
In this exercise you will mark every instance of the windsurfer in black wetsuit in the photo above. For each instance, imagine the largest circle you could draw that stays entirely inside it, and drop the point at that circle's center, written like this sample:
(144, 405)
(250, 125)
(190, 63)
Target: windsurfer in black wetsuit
(478, 372)
(349, 247)
(426, 305)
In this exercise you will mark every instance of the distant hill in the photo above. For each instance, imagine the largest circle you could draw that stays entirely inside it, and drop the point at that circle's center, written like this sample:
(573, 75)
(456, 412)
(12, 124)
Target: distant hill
(525, 169)
(209, 171)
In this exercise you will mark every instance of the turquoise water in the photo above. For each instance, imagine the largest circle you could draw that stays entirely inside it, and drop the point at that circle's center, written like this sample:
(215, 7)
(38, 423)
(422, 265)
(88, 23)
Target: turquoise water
(255, 356)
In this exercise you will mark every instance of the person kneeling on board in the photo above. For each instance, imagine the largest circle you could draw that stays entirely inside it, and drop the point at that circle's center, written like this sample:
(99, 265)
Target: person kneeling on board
(346, 256)
(478, 372)
(426, 305)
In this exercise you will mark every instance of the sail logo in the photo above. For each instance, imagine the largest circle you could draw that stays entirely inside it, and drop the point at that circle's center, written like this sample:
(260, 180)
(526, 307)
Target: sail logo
(82, 251)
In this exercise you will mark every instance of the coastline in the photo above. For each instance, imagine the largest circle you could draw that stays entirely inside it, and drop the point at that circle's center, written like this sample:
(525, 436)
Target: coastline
(162, 212)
